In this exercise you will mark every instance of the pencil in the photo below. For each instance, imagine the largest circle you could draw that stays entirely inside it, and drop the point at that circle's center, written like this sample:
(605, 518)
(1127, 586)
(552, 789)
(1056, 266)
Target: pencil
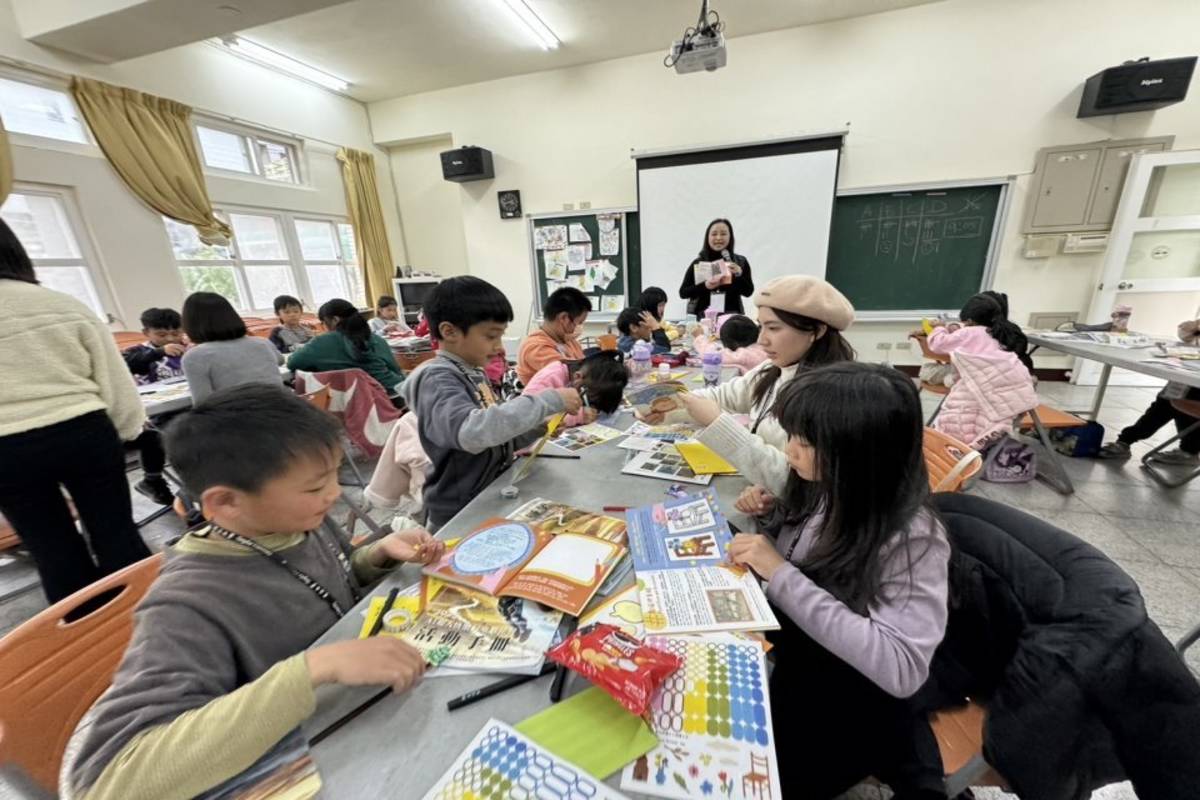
(556, 455)
(497, 687)
(615, 508)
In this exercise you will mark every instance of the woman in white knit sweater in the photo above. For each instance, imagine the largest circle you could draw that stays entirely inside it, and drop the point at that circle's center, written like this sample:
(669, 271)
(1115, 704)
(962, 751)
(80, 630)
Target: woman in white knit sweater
(66, 403)
(801, 320)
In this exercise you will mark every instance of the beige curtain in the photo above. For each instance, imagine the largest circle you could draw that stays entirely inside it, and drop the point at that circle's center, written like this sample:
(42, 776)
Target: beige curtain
(6, 169)
(366, 214)
(148, 140)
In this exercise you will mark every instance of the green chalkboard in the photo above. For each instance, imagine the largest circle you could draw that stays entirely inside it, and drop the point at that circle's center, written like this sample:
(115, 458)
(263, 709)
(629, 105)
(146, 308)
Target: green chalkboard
(549, 248)
(913, 250)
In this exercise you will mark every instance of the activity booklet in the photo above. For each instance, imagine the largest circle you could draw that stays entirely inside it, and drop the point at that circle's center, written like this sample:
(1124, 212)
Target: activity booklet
(686, 583)
(554, 517)
(654, 398)
(705, 271)
(665, 463)
(501, 762)
(713, 722)
(504, 558)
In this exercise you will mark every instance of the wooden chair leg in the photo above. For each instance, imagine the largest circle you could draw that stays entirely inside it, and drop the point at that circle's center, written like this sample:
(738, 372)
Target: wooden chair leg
(1161, 476)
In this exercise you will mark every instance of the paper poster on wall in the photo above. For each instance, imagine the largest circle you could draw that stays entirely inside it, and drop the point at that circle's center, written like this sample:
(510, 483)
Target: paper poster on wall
(553, 286)
(556, 264)
(579, 233)
(610, 242)
(602, 272)
(582, 282)
(577, 256)
(612, 303)
(594, 299)
(550, 237)
(607, 222)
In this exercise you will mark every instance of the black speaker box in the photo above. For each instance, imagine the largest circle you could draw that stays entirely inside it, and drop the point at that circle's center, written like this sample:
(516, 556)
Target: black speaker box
(467, 164)
(1136, 86)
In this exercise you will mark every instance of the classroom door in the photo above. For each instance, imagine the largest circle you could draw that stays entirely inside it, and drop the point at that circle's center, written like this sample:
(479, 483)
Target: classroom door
(1153, 257)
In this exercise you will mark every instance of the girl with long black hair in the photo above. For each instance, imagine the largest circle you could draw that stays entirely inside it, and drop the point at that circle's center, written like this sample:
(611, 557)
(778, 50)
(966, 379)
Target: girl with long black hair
(984, 328)
(801, 320)
(856, 565)
(718, 246)
(349, 344)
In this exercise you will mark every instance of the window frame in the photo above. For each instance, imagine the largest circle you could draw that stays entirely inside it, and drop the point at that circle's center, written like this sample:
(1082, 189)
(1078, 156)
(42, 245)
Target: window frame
(253, 140)
(295, 262)
(102, 295)
(88, 147)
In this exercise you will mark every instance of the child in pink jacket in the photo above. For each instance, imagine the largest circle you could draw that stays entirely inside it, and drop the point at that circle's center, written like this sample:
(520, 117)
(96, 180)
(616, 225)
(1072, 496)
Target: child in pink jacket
(985, 331)
(600, 377)
(739, 339)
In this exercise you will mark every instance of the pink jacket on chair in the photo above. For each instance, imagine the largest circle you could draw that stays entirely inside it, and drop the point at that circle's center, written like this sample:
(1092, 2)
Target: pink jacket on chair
(399, 478)
(991, 391)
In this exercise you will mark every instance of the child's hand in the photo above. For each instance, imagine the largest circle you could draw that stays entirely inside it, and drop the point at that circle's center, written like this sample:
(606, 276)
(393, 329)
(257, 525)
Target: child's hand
(757, 552)
(754, 500)
(649, 320)
(378, 661)
(588, 416)
(653, 418)
(415, 545)
(701, 409)
(173, 349)
(571, 400)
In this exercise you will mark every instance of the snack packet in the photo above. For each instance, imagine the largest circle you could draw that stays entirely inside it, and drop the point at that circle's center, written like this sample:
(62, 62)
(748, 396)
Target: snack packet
(616, 662)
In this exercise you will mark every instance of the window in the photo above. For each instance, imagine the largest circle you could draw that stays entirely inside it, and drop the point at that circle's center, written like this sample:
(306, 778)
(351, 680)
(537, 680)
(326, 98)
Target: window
(264, 262)
(249, 154)
(40, 111)
(330, 260)
(43, 225)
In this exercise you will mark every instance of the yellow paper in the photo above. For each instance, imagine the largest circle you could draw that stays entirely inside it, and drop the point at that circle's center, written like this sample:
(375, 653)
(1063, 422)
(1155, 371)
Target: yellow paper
(592, 730)
(927, 326)
(406, 607)
(703, 460)
(551, 426)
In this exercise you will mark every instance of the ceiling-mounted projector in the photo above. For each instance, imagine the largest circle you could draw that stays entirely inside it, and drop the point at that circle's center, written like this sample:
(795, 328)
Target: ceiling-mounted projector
(702, 47)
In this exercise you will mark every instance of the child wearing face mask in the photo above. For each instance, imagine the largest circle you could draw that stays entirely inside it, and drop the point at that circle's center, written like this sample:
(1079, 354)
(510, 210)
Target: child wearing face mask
(558, 338)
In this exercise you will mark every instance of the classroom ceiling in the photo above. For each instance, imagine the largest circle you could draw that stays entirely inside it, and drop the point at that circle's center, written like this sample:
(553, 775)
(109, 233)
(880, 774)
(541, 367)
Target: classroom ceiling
(389, 48)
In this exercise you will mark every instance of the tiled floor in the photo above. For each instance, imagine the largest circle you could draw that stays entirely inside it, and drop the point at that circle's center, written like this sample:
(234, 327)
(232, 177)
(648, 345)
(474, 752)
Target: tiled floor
(1152, 533)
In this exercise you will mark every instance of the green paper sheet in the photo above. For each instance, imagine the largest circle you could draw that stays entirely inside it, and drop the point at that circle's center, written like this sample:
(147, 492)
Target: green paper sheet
(591, 729)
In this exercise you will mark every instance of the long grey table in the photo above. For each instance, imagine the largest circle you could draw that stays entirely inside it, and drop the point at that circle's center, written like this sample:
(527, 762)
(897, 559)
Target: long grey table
(1135, 360)
(402, 745)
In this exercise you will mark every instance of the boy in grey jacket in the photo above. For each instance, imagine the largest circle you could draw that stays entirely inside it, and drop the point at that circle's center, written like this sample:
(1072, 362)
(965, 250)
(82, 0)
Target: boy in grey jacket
(468, 436)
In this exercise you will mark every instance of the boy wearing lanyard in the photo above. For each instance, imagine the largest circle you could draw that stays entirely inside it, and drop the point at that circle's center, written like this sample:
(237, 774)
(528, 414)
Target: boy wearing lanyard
(217, 674)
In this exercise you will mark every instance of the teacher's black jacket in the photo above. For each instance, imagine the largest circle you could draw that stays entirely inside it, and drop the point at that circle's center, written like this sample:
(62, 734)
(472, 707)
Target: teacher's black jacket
(699, 297)
(1081, 687)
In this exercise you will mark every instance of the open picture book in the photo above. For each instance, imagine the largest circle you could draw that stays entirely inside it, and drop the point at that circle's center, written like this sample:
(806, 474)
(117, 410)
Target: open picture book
(655, 398)
(505, 558)
(705, 271)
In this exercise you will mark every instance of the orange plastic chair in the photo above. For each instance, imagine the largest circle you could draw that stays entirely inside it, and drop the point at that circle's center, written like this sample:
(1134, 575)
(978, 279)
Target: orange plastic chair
(1038, 423)
(607, 341)
(949, 462)
(52, 670)
(959, 734)
(127, 339)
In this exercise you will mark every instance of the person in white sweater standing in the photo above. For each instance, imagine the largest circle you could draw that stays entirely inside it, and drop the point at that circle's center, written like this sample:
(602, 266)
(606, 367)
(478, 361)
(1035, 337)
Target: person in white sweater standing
(223, 354)
(66, 403)
(801, 320)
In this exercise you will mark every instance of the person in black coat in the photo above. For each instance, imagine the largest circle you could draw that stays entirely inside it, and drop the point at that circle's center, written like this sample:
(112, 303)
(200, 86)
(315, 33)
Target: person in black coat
(1081, 688)
(718, 246)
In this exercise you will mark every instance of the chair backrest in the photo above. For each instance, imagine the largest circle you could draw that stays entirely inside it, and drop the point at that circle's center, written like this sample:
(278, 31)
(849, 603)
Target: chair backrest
(949, 462)
(52, 670)
(607, 341)
(127, 339)
(320, 398)
(1185, 406)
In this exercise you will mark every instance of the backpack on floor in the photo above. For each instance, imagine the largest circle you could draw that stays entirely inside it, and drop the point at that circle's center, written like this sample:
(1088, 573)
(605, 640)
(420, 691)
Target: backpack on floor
(1083, 441)
(1010, 461)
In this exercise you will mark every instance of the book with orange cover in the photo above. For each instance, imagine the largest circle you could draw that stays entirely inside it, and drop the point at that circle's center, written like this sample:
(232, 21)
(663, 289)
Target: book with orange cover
(505, 558)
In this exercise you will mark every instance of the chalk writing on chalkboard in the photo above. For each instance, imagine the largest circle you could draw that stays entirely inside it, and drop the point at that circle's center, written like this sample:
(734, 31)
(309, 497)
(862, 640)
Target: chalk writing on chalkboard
(912, 227)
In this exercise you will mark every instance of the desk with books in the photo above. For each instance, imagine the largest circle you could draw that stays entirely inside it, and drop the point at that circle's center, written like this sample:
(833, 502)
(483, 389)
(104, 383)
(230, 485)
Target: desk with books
(401, 746)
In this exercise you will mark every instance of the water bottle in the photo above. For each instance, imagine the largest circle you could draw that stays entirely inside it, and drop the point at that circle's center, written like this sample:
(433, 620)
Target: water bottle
(711, 314)
(640, 359)
(711, 367)
(664, 372)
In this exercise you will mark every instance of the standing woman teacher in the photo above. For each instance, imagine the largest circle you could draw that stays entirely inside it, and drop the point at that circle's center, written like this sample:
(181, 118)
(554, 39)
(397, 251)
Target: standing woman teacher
(718, 246)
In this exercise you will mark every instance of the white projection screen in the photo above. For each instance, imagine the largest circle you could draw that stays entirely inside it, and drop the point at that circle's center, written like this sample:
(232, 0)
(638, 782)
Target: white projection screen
(778, 196)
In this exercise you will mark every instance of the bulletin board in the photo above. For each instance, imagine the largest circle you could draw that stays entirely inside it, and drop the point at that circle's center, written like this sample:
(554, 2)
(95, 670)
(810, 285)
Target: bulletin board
(590, 250)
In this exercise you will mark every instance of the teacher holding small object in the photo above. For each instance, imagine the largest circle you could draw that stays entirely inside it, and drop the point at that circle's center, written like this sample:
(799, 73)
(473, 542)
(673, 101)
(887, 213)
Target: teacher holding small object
(717, 271)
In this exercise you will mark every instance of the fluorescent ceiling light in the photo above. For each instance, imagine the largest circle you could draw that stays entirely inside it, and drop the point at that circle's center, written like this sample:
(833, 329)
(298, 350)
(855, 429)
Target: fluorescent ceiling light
(533, 23)
(265, 55)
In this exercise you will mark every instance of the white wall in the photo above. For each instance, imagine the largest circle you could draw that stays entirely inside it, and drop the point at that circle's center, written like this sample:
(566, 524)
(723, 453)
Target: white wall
(953, 90)
(430, 207)
(132, 245)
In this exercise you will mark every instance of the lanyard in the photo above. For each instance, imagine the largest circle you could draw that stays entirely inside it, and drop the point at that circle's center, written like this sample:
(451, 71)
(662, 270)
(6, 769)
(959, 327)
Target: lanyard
(304, 578)
(483, 391)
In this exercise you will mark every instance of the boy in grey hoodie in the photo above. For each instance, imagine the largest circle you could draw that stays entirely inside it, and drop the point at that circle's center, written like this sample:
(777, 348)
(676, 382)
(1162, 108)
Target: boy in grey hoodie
(468, 436)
